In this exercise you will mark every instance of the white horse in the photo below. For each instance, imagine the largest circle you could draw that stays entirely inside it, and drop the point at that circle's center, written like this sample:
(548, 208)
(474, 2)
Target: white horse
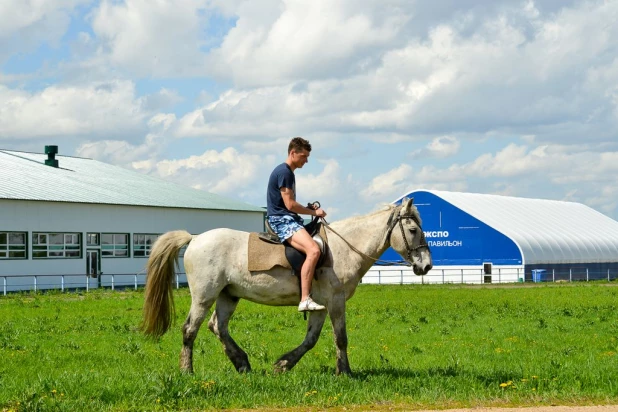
(216, 267)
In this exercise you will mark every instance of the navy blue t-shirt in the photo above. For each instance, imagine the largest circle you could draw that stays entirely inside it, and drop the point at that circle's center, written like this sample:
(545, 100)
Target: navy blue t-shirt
(282, 176)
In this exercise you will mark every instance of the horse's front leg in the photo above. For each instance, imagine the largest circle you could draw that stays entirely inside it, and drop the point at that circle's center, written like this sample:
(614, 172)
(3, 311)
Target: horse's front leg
(314, 327)
(336, 311)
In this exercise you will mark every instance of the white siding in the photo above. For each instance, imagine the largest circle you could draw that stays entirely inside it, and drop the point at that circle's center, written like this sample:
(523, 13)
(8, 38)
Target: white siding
(35, 216)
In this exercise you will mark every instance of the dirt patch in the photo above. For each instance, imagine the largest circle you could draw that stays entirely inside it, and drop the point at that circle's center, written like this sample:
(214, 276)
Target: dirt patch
(603, 408)
(391, 407)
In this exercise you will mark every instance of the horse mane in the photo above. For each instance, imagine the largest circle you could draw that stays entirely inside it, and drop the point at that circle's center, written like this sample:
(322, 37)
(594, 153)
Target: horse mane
(385, 207)
(353, 219)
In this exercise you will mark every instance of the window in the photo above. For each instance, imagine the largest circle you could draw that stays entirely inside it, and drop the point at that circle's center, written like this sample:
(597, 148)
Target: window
(115, 244)
(13, 245)
(56, 245)
(142, 243)
(92, 239)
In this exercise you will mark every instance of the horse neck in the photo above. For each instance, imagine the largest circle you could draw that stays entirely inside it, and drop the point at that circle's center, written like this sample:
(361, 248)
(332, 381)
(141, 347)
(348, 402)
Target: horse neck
(366, 233)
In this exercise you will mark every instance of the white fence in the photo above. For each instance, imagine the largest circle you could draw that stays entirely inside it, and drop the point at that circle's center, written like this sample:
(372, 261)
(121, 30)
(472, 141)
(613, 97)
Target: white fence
(383, 275)
(388, 275)
(15, 283)
(399, 275)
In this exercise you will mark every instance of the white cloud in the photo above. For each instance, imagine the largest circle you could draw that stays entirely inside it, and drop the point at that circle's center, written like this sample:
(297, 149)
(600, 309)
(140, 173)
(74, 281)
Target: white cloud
(118, 152)
(152, 38)
(282, 41)
(226, 172)
(324, 185)
(163, 99)
(24, 25)
(59, 110)
(140, 157)
(493, 78)
(389, 184)
(558, 172)
(439, 147)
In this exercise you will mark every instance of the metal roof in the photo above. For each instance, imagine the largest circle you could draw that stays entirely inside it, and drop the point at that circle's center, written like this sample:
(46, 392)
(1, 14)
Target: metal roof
(24, 176)
(546, 231)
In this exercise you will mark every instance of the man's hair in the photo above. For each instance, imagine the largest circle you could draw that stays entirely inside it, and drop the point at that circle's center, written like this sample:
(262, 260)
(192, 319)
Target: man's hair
(297, 144)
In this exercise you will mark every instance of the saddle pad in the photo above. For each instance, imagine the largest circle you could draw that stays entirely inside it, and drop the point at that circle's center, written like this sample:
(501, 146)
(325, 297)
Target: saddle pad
(265, 256)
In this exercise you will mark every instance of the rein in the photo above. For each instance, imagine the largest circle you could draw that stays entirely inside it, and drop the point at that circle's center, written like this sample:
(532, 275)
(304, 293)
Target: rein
(409, 250)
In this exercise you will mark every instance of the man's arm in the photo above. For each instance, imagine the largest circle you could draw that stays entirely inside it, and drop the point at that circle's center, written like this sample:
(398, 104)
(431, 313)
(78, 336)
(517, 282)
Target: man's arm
(293, 206)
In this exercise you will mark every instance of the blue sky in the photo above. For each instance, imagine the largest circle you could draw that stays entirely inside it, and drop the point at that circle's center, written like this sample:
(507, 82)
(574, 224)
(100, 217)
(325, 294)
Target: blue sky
(516, 98)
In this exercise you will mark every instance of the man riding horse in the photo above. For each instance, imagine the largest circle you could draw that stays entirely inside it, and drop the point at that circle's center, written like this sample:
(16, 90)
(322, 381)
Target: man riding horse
(283, 218)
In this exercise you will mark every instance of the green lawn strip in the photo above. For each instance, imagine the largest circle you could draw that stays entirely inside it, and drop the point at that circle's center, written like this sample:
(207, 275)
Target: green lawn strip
(419, 346)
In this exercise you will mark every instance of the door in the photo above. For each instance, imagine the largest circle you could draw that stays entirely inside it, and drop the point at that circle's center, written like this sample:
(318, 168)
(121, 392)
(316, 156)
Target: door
(487, 272)
(93, 263)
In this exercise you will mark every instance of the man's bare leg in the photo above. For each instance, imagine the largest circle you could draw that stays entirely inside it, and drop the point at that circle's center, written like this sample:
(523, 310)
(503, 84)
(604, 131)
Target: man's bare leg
(303, 242)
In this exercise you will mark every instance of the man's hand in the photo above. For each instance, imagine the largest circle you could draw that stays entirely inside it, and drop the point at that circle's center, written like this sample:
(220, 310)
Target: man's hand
(320, 212)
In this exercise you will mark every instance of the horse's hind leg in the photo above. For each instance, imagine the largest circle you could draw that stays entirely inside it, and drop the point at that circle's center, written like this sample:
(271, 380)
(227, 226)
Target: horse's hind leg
(314, 327)
(196, 316)
(218, 324)
(337, 317)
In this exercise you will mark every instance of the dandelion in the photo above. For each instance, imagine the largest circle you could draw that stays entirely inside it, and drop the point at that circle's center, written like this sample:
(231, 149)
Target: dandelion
(535, 377)
(503, 385)
(208, 384)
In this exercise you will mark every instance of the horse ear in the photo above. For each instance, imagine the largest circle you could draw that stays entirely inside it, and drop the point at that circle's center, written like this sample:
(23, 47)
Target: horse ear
(406, 203)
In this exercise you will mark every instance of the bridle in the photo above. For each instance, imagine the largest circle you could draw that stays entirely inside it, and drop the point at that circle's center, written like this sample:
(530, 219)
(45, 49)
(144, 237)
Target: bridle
(409, 249)
(392, 222)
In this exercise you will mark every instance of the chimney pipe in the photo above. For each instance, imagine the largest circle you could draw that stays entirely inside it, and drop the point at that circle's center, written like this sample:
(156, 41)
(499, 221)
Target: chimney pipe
(51, 152)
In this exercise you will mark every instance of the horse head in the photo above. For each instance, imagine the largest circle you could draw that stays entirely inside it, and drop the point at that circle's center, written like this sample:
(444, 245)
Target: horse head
(407, 237)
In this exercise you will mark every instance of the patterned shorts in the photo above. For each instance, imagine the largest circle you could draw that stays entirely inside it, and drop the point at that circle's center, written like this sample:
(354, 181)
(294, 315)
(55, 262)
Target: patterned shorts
(285, 226)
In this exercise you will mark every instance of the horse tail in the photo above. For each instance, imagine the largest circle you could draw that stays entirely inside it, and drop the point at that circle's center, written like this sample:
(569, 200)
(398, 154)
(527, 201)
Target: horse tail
(159, 308)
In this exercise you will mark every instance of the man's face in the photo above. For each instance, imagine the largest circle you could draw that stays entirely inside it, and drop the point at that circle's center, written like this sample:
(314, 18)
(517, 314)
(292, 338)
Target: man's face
(300, 157)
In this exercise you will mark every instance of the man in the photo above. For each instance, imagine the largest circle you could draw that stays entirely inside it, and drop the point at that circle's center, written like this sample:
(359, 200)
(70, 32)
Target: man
(283, 210)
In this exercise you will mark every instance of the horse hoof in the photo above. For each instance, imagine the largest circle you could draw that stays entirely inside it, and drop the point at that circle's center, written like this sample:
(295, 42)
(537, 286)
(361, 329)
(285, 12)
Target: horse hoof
(347, 372)
(244, 369)
(281, 366)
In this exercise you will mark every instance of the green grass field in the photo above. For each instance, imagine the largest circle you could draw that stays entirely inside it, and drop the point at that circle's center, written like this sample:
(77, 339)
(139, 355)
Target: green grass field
(416, 346)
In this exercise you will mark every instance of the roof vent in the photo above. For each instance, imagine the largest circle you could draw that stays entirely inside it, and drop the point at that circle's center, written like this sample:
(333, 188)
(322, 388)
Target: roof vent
(51, 152)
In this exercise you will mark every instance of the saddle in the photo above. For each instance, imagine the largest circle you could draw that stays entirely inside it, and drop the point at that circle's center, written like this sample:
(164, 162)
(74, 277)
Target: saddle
(266, 251)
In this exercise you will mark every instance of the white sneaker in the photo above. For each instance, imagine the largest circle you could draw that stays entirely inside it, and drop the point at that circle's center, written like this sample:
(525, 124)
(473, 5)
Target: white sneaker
(308, 305)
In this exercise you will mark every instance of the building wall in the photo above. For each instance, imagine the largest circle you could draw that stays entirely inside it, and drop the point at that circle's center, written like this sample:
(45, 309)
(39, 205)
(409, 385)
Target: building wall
(33, 216)
(458, 239)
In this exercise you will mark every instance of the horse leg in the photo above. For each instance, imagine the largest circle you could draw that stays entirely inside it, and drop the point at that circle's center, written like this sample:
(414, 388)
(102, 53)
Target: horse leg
(314, 327)
(218, 324)
(337, 317)
(196, 316)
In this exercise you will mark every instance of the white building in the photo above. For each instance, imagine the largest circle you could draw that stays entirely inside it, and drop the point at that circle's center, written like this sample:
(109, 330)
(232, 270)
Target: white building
(478, 238)
(84, 221)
